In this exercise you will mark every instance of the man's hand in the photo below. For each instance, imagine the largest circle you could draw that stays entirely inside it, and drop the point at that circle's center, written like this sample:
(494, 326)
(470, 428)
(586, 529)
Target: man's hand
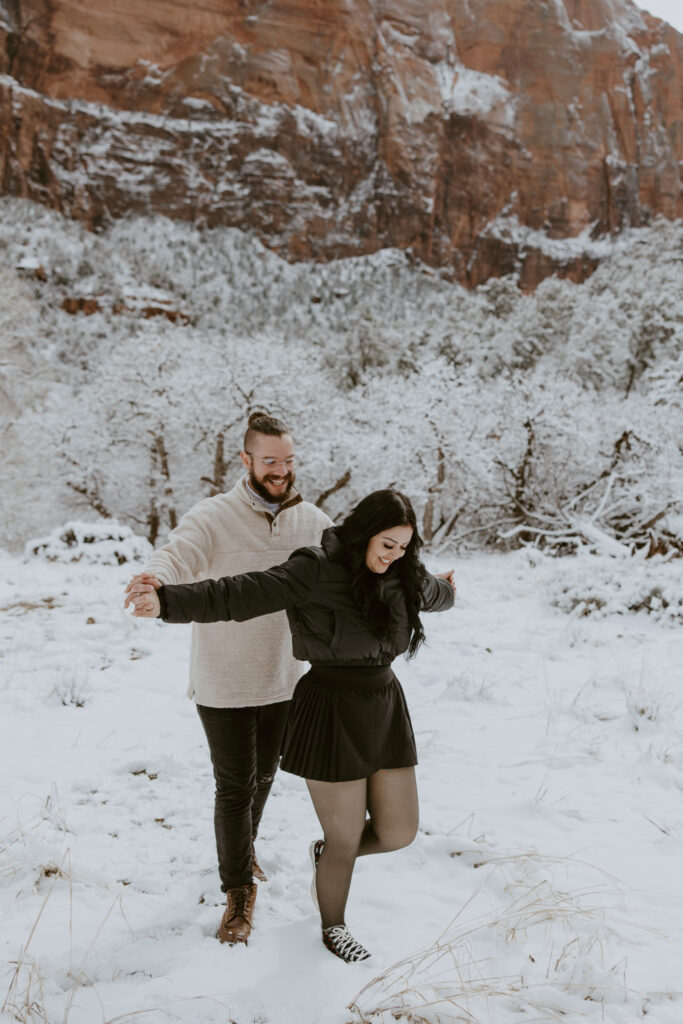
(140, 593)
(448, 576)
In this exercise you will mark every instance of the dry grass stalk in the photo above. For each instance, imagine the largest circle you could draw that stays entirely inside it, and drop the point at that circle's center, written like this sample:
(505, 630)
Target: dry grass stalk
(450, 982)
(163, 1007)
(80, 975)
(10, 1002)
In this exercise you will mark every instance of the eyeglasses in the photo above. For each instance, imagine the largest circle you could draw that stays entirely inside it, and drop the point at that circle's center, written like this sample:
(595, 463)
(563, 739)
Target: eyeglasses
(288, 463)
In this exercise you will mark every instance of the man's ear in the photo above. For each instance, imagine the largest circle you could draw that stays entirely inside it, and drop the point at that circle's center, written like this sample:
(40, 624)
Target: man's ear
(245, 459)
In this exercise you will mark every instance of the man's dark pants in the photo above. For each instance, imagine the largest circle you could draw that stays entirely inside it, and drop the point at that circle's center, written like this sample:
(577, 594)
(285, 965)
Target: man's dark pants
(245, 746)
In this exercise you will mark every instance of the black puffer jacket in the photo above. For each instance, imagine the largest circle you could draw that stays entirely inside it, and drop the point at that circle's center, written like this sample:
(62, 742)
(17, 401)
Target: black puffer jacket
(314, 587)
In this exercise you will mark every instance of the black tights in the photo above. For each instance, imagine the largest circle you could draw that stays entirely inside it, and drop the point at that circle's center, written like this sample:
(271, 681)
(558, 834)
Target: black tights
(390, 798)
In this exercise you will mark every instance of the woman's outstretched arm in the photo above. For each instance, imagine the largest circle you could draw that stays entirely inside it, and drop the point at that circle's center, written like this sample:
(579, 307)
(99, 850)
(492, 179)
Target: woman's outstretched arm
(438, 592)
(233, 598)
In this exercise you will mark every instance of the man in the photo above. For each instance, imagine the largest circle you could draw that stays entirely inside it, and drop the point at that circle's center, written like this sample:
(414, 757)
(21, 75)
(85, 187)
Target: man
(241, 674)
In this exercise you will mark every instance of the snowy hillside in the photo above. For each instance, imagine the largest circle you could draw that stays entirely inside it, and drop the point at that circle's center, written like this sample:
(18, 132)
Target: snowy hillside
(131, 358)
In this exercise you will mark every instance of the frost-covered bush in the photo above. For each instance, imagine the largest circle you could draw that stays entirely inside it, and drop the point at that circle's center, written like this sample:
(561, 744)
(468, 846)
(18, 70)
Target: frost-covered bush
(102, 543)
(72, 687)
(598, 586)
(593, 476)
(530, 460)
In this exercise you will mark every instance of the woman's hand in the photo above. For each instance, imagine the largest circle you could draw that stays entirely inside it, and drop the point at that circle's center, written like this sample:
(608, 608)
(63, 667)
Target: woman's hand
(140, 593)
(145, 606)
(448, 576)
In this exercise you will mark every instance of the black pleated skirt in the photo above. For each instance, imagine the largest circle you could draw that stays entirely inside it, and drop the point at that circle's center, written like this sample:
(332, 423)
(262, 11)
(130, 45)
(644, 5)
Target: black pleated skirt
(347, 722)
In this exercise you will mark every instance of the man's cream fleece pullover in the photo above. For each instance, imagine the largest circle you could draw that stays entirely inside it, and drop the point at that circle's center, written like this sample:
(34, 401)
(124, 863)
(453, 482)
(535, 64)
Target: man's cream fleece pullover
(238, 664)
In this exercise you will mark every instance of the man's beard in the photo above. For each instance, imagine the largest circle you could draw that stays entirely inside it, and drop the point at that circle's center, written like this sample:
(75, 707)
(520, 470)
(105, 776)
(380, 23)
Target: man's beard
(261, 489)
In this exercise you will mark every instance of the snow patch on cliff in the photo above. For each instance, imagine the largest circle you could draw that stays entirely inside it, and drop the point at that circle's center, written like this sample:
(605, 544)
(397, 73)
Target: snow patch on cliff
(265, 161)
(510, 229)
(267, 119)
(472, 93)
(309, 122)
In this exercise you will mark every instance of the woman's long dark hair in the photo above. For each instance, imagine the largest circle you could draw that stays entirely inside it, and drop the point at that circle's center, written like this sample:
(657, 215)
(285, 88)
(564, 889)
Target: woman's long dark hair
(380, 511)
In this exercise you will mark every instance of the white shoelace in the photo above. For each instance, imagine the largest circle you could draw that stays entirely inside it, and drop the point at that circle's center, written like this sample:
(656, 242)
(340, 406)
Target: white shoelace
(344, 944)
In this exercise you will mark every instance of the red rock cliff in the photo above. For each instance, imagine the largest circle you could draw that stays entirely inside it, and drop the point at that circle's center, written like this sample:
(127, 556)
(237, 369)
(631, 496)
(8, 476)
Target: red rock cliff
(479, 133)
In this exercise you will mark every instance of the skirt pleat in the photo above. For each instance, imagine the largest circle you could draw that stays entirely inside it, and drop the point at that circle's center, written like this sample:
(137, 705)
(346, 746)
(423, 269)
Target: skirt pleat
(344, 725)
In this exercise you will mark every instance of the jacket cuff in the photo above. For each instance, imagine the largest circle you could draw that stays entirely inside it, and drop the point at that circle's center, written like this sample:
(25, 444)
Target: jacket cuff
(163, 609)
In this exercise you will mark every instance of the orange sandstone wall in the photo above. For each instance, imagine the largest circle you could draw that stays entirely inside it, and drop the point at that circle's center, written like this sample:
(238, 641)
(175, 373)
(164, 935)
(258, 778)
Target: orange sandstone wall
(479, 134)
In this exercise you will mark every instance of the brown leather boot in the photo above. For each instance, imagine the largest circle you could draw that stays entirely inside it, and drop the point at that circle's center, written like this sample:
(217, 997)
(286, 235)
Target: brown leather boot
(256, 869)
(236, 923)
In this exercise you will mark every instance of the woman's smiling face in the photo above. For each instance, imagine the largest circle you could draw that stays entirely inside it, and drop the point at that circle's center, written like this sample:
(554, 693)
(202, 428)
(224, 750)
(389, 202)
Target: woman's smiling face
(384, 548)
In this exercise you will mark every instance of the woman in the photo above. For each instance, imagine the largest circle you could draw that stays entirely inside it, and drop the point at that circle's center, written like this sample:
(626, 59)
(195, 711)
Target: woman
(353, 605)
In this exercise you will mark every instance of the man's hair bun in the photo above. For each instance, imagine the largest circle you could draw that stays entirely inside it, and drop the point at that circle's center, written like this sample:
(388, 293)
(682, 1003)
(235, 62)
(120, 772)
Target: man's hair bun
(262, 423)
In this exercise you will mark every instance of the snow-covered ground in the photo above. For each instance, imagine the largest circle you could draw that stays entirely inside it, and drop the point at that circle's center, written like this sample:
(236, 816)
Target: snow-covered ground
(544, 884)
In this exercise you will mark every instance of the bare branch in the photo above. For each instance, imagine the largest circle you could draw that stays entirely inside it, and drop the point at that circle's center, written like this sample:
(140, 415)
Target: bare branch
(341, 482)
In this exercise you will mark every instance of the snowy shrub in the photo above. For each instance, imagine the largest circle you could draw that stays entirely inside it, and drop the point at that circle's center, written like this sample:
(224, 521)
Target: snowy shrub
(562, 495)
(538, 462)
(72, 687)
(590, 585)
(469, 687)
(103, 543)
(652, 702)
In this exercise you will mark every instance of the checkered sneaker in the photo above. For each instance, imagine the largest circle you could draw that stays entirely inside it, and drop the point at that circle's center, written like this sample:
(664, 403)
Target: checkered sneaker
(341, 942)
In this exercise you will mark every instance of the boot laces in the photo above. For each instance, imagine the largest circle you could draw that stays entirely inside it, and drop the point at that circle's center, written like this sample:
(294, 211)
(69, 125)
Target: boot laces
(238, 899)
(339, 940)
